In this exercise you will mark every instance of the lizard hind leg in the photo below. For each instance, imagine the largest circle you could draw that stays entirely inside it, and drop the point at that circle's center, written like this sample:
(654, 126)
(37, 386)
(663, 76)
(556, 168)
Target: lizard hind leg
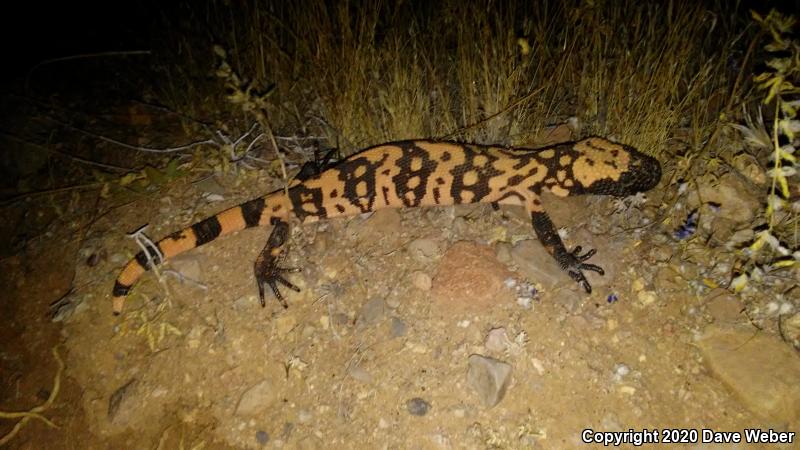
(268, 269)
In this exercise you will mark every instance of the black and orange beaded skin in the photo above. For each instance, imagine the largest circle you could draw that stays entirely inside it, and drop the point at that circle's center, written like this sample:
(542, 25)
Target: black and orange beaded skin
(421, 173)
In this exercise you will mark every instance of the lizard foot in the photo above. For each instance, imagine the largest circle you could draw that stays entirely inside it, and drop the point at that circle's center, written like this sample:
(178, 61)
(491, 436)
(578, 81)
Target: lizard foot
(573, 263)
(269, 274)
(268, 268)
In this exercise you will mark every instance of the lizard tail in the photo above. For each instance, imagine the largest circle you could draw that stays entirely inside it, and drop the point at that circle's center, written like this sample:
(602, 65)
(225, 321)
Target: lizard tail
(253, 213)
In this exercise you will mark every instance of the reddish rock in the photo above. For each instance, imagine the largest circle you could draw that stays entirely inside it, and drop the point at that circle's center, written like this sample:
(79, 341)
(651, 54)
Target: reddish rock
(470, 277)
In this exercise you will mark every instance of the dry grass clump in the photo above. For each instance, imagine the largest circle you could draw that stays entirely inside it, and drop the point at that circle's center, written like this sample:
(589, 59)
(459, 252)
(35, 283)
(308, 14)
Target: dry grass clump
(496, 72)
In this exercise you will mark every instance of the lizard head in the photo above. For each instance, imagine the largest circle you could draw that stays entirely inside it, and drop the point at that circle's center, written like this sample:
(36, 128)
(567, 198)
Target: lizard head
(607, 168)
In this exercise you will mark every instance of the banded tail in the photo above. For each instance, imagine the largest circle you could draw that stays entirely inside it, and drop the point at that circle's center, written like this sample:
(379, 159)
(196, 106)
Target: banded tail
(257, 212)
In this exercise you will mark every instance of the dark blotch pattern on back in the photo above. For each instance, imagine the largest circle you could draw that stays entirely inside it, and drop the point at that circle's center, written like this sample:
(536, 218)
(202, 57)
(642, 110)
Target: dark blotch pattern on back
(410, 152)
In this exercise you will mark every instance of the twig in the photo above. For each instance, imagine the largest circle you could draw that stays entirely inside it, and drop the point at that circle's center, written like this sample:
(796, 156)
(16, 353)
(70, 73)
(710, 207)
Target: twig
(183, 279)
(82, 56)
(498, 113)
(265, 124)
(34, 413)
(144, 149)
(66, 155)
(19, 197)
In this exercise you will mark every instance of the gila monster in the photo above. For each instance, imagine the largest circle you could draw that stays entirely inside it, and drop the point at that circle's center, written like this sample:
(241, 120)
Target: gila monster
(420, 173)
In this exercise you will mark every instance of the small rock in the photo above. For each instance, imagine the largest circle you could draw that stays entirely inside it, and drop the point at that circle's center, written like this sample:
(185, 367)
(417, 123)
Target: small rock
(554, 134)
(371, 312)
(211, 198)
(646, 298)
(737, 201)
(469, 277)
(759, 368)
(189, 268)
(117, 258)
(262, 437)
(421, 281)
(723, 306)
(255, 399)
(497, 340)
(418, 407)
(503, 251)
(489, 378)
(399, 327)
(538, 365)
(537, 265)
(304, 416)
(341, 320)
(792, 326)
(393, 302)
(211, 185)
(95, 258)
(121, 404)
(620, 371)
(627, 390)
(424, 250)
(195, 336)
(384, 224)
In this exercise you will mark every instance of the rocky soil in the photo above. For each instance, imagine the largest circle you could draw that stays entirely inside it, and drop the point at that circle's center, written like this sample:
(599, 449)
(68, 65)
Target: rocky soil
(429, 328)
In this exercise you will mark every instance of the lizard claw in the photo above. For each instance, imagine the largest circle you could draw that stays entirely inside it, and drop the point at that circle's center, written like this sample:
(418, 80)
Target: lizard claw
(573, 263)
(267, 267)
(271, 275)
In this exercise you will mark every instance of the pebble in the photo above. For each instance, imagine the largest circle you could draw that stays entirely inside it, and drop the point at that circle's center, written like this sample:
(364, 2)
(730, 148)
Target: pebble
(737, 201)
(525, 302)
(255, 399)
(538, 365)
(304, 416)
(646, 298)
(620, 370)
(211, 185)
(489, 378)
(503, 251)
(117, 258)
(341, 319)
(262, 437)
(399, 328)
(424, 250)
(536, 264)
(418, 407)
(421, 281)
(497, 340)
(371, 312)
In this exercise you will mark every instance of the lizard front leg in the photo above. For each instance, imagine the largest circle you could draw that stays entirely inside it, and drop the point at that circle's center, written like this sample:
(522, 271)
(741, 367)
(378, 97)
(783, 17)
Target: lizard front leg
(268, 270)
(573, 262)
